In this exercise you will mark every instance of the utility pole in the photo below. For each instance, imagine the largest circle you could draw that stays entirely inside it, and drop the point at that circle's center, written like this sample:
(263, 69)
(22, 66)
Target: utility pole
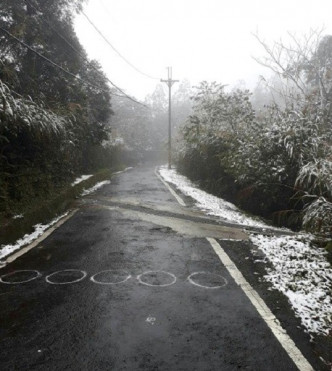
(169, 82)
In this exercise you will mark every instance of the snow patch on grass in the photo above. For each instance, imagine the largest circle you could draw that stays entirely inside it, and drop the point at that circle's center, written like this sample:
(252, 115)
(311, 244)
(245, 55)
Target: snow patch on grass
(95, 187)
(39, 229)
(80, 179)
(212, 205)
(303, 274)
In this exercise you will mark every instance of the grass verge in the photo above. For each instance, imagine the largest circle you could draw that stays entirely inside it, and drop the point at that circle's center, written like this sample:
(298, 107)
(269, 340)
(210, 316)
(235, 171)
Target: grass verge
(48, 208)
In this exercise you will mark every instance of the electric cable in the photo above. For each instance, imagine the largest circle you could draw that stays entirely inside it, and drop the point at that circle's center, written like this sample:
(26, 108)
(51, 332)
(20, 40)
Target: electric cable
(62, 68)
(116, 51)
(79, 53)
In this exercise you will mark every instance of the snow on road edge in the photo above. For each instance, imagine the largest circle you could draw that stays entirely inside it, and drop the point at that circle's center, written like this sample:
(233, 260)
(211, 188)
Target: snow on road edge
(95, 187)
(303, 274)
(80, 179)
(39, 229)
(298, 270)
(212, 205)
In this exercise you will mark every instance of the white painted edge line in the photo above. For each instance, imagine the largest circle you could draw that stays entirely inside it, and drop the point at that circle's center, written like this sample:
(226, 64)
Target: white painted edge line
(269, 318)
(177, 197)
(286, 342)
(36, 242)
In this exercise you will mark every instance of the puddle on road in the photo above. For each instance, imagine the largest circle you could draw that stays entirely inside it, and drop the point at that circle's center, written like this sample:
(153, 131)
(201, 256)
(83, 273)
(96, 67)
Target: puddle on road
(186, 227)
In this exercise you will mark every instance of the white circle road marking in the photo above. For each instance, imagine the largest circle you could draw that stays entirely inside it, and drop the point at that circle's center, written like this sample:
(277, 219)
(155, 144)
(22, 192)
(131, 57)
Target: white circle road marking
(93, 278)
(139, 278)
(38, 274)
(192, 281)
(84, 274)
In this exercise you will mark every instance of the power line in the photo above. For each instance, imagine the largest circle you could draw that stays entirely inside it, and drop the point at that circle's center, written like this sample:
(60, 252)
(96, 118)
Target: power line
(49, 60)
(116, 51)
(84, 57)
(64, 69)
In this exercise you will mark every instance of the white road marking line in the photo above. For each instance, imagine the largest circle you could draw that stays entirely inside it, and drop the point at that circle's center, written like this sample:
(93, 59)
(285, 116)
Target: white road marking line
(269, 318)
(178, 198)
(36, 242)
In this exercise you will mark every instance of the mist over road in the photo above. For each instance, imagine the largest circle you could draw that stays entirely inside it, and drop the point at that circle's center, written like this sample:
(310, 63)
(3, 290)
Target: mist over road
(131, 283)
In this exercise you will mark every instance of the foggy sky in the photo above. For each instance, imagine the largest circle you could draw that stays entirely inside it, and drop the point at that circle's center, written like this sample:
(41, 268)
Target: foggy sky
(201, 39)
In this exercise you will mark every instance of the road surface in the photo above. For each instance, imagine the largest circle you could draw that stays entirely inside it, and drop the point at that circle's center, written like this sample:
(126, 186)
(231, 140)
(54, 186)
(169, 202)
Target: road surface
(130, 282)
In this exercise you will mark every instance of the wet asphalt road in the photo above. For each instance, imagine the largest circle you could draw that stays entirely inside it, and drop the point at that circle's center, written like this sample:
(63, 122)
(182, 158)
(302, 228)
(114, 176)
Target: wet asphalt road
(146, 297)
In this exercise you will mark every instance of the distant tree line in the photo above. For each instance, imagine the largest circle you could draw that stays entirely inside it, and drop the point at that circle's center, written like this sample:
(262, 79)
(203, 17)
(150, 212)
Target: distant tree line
(143, 130)
(53, 125)
(275, 161)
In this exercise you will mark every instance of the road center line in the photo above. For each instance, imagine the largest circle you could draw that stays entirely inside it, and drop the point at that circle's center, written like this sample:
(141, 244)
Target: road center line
(178, 198)
(269, 318)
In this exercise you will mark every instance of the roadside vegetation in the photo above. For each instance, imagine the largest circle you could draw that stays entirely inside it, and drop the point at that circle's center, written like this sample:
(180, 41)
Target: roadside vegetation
(54, 125)
(272, 159)
(61, 117)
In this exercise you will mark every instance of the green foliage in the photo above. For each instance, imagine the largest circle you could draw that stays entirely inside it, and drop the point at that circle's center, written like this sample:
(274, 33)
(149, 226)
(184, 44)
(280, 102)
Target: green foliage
(52, 125)
(277, 165)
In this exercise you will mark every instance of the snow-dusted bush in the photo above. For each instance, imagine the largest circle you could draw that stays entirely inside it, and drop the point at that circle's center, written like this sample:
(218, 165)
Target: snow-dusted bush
(315, 178)
(279, 164)
(17, 112)
(36, 149)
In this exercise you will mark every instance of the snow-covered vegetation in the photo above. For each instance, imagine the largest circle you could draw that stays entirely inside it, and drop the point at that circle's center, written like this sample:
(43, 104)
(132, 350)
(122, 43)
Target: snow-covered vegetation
(277, 161)
(28, 238)
(53, 124)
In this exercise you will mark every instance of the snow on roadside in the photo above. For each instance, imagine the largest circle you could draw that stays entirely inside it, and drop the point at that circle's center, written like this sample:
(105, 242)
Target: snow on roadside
(39, 229)
(122, 171)
(303, 274)
(298, 269)
(80, 179)
(212, 205)
(95, 187)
